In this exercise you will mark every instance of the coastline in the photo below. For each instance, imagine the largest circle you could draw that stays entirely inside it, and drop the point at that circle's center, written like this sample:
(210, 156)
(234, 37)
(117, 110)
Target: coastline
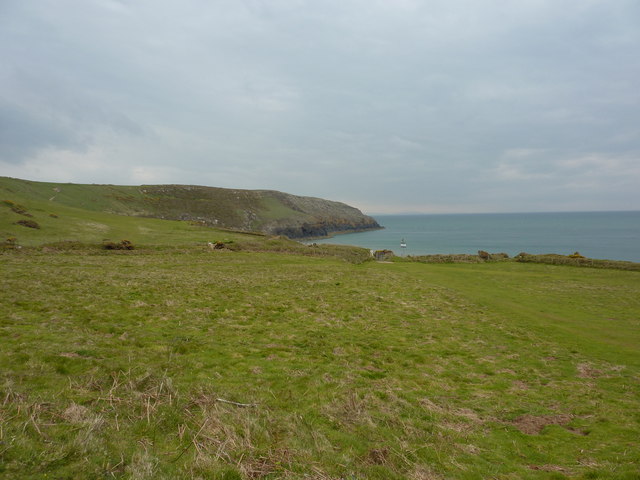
(602, 235)
(312, 239)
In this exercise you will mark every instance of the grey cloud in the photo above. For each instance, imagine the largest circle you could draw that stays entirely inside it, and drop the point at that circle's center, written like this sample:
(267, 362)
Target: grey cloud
(410, 101)
(23, 133)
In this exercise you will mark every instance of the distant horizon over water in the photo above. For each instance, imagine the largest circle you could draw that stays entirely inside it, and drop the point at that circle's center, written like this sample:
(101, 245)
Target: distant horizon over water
(602, 235)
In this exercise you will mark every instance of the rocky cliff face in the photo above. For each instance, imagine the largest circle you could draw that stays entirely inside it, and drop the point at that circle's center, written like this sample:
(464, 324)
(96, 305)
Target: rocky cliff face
(323, 228)
(317, 217)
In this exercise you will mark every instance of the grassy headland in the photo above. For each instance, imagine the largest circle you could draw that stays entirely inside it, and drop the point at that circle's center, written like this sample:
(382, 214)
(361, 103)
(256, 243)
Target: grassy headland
(265, 211)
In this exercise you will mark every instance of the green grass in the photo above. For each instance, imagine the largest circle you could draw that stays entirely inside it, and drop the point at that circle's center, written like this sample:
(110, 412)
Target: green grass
(113, 364)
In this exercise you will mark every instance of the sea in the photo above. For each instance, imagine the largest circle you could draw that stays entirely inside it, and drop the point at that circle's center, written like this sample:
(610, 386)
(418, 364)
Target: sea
(601, 235)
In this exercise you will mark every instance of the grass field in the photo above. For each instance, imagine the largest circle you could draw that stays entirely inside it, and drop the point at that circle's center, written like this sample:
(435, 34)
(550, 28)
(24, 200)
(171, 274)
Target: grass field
(125, 364)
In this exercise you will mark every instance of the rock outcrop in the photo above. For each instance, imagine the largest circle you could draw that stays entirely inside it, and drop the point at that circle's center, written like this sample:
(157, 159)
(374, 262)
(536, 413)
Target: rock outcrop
(316, 217)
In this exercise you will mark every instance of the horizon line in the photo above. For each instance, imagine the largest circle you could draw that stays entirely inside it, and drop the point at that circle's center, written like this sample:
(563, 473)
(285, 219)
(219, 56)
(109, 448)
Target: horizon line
(501, 213)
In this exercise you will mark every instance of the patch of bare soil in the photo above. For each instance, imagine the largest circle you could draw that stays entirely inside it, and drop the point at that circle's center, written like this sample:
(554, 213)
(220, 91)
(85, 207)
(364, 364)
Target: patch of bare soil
(551, 468)
(518, 386)
(76, 413)
(378, 456)
(69, 354)
(534, 424)
(421, 472)
(459, 412)
(72, 355)
(587, 371)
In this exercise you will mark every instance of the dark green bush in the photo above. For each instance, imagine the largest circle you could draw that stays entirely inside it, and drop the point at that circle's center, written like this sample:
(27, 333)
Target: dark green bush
(10, 243)
(28, 223)
(122, 245)
(19, 209)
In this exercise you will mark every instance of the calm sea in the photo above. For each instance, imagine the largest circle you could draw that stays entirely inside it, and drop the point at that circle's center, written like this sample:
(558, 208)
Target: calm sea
(603, 235)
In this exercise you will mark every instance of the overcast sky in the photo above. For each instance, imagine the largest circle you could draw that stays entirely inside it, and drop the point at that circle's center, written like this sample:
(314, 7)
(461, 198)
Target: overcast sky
(390, 106)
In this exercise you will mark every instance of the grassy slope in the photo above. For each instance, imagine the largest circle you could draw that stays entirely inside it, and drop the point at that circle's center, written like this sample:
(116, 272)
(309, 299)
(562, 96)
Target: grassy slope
(88, 226)
(88, 197)
(150, 201)
(553, 302)
(238, 209)
(112, 364)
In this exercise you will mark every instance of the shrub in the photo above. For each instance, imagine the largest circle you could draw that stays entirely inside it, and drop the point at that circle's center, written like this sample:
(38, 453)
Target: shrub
(224, 245)
(383, 255)
(123, 245)
(484, 255)
(10, 243)
(28, 223)
(19, 209)
(450, 258)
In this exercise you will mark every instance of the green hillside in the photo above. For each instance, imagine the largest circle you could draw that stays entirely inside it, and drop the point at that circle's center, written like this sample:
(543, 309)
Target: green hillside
(264, 211)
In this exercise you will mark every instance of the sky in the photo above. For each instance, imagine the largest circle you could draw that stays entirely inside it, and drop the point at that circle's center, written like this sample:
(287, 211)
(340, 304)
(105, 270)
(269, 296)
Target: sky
(397, 106)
